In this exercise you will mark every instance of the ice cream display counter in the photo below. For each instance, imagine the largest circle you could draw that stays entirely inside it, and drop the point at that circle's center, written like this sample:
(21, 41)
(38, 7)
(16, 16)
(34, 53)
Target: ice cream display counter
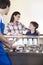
(29, 54)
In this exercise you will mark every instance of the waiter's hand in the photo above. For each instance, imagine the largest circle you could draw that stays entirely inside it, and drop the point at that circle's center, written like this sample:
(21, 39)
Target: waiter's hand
(11, 42)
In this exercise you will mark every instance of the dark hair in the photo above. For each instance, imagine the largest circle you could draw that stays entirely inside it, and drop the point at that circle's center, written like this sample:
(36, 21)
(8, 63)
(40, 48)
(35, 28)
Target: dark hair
(35, 24)
(12, 17)
(4, 4)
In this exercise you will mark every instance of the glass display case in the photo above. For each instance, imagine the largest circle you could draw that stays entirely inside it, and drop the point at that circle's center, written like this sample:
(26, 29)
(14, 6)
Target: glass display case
(27, 44)
(29, 54)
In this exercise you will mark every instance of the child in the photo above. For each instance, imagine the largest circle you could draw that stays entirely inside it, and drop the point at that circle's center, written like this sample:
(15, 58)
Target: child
(32, 27)
(33, 32)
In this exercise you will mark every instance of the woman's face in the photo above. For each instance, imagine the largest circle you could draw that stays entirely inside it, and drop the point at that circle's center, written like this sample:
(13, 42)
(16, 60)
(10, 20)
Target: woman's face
(17, 17)
(31, 27)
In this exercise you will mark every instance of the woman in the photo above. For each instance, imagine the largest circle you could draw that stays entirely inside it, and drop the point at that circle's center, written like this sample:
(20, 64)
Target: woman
(15, 27)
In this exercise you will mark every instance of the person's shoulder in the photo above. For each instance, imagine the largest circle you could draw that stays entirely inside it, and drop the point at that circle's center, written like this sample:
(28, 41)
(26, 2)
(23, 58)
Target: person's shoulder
(36, 33)
(10, 23)
(1, 19)
(0, 16)
(28, 32)
(19, 23)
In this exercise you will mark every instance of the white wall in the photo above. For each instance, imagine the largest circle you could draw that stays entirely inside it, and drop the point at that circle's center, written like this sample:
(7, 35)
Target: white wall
(30, 10)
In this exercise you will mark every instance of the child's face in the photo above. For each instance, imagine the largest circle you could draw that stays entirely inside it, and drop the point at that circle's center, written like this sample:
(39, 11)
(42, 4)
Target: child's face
(31, 27)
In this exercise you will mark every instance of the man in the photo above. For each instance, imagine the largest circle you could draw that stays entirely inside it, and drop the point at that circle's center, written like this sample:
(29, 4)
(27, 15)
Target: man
(4, 9)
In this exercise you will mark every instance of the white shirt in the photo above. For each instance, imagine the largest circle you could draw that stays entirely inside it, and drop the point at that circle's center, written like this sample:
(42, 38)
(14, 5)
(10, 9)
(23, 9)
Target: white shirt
(1, 19)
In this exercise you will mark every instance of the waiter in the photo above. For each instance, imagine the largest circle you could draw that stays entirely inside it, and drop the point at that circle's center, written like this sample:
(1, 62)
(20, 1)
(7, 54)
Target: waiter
(4, 9)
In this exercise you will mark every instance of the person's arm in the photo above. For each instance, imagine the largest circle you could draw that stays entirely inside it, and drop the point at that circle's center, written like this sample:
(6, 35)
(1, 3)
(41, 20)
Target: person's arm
(5, 41)
(24, 29)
